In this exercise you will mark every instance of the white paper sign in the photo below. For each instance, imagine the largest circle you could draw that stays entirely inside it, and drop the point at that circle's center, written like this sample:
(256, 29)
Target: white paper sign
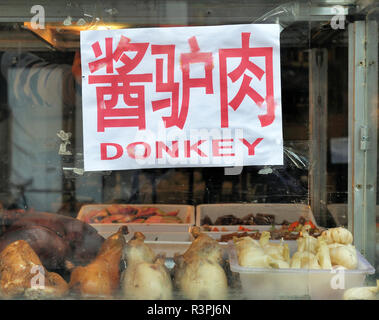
(181, 97)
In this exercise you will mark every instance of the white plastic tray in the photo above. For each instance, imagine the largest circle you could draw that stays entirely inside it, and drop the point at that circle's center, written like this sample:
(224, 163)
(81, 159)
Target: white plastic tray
(272, 284)
(289, 212)
(186, 214)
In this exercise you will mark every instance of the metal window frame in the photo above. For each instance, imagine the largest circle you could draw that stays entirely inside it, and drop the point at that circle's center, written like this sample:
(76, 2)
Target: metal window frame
(362, 153)
(318, 131)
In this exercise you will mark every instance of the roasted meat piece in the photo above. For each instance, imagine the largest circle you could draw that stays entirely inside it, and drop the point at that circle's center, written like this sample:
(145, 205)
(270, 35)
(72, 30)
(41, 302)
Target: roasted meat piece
(54, 238)
(198, 273)
(22, 274)
(146, 276)
(101, 278)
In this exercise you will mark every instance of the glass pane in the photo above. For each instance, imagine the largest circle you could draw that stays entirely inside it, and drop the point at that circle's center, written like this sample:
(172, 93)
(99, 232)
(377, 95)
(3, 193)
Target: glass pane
(41, 142)
(374, 16)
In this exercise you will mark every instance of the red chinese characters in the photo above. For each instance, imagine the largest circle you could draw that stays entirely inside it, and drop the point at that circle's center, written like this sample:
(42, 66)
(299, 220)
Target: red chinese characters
(245, 52)
(186, 59)
(170, 86)
(120, 90)
(179, 117)
(132, 112)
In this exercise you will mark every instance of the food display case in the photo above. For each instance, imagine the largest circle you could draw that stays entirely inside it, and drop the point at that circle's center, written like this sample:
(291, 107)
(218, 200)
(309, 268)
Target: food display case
(108, 110)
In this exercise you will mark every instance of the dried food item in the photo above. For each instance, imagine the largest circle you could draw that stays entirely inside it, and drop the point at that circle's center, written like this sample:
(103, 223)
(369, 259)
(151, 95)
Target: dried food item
(198, 273)
(206, 221)
(258, 219)
(115, 213)
(248, 219)
(231, 236)
(276, 234)
(101, 278)
(293, 231)
(264, 219)
(284, 234)
(22, 274)
(228, 220)
(146, 276)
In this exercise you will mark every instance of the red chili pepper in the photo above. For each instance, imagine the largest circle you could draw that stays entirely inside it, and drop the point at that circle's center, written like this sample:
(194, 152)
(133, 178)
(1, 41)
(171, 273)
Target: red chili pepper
(293, 225)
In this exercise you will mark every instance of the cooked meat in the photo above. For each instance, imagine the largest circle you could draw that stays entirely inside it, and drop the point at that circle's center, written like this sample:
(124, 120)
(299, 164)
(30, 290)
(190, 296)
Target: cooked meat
(55, 238)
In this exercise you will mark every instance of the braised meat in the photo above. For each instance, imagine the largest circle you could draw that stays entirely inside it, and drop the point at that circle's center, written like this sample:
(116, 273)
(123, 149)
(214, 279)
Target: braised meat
(199, 273)
(21, 272)
(228, 220)
(232, 220)
(146, 276)
(101, 278)
(264, 219)
(54, 238)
